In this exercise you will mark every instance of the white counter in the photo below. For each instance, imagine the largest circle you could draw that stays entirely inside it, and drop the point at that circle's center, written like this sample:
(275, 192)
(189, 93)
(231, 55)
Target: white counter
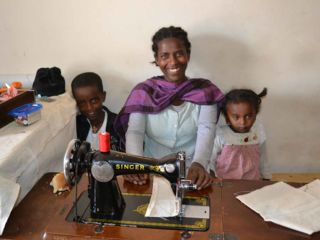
(26, 153)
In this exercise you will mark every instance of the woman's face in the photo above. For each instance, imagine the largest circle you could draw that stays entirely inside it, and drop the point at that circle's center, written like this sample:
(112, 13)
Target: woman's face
(172, 58)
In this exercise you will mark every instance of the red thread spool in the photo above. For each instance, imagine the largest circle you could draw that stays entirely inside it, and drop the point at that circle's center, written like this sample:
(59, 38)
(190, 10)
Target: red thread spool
(104, 142)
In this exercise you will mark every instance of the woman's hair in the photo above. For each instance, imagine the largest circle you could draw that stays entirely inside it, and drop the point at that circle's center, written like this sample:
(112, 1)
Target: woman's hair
(243, 95)
(170, 32)
(85, 80)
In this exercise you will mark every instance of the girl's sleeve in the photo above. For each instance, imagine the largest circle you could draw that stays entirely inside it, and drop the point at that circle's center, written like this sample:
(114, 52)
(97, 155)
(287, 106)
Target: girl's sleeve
(205, 134)
(135, 133)
(264, 163)
(217, 147)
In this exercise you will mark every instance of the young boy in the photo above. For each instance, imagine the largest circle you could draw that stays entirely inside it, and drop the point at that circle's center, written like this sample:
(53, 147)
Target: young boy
(87, 90)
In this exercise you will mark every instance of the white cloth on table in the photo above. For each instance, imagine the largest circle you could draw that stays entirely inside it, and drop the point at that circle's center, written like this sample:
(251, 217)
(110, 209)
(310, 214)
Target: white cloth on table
(295, 208)
(29, 152)
(163, 202)
(8, 195)
(312, 188)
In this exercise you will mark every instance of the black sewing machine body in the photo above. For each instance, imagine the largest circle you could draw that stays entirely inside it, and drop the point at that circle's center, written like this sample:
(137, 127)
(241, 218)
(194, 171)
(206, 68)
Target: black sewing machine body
(106, 199)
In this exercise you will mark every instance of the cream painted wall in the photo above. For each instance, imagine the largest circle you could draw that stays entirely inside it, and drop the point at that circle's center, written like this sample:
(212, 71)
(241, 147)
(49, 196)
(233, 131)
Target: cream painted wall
(235, 43)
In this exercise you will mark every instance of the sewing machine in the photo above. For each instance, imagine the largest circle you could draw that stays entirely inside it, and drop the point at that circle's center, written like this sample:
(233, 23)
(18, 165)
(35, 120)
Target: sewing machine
(107, 204)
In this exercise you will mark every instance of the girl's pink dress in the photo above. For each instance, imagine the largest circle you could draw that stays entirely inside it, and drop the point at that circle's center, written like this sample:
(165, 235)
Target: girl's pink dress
(239, 155)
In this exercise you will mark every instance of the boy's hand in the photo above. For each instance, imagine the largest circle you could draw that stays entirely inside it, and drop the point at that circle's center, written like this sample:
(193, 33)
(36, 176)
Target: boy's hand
(199, 176)
(138, 179)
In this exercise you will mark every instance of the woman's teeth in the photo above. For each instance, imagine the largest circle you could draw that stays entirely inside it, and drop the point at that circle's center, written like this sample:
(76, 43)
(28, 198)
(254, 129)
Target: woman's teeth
(174, 70)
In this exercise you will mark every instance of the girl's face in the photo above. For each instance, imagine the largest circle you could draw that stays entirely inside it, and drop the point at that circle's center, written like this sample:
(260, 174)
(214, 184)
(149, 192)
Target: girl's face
(241, 116)
(172, 58)
(90, 101)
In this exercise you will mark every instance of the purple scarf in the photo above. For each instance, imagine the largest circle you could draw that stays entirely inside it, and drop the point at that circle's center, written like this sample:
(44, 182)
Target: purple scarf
(156, 94)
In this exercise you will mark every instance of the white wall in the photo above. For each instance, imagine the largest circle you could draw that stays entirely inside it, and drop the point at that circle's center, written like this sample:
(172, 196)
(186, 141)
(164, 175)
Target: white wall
(235, 43)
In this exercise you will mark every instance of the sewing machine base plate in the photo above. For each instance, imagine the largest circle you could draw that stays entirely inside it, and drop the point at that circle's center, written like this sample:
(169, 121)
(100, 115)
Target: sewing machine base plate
(133, 215)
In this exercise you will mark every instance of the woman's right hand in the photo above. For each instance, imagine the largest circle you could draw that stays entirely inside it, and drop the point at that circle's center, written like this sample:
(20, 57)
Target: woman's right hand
(138, 179)
(199, 176)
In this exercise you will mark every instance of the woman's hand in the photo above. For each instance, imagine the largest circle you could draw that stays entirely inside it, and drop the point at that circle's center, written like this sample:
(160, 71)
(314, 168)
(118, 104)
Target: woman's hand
(138, 179)
(199, 176)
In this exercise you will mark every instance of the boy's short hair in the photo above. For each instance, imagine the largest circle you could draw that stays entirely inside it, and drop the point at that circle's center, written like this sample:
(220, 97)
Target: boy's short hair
(87, 79)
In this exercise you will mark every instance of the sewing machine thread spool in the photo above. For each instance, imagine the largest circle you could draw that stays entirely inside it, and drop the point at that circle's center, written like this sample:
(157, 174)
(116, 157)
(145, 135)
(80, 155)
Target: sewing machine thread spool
(104, 142)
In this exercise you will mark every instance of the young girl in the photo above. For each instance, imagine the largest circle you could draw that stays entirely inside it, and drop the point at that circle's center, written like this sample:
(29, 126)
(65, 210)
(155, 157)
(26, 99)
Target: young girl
(239, 146)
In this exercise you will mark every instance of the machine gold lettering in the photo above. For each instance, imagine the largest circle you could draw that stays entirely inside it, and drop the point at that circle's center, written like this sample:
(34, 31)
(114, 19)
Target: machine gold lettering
(157, 168)
(137, 167)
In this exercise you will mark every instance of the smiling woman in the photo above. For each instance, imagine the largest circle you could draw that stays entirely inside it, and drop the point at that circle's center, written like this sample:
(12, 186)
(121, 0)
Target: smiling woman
(171, 113)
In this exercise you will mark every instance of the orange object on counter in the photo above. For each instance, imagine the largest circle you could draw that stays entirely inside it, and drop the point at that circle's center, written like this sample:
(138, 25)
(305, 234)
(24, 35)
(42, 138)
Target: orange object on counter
(13, 84)
(16, 84)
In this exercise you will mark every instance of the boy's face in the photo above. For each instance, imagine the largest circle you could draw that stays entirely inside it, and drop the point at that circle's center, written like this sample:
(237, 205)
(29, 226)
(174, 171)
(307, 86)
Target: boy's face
(240, 116)
(90, 101)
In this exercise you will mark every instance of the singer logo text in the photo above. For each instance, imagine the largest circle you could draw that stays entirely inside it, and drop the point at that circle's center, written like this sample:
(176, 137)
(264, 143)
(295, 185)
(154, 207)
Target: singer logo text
(137, 167)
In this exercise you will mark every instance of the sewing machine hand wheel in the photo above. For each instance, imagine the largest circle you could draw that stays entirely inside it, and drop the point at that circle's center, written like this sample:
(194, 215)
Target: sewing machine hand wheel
(70, 162)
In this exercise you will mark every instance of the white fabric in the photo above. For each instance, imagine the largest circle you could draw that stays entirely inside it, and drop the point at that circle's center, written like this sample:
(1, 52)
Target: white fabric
(226, 136)
(312, 188)
(295, 208)
(190, 128)
(31, 151)
(163, 202)
(93, 138)
(8, 195)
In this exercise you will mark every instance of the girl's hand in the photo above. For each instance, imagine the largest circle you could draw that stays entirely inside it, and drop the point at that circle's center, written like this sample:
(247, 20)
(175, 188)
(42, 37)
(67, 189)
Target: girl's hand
(199, 176)
(138, 179)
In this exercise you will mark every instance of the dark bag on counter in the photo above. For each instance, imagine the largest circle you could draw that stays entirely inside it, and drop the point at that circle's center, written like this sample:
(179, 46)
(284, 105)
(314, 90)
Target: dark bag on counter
(49, 82)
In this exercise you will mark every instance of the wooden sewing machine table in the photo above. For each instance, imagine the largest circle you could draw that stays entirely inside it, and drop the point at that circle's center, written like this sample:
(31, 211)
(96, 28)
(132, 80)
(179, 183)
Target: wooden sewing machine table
(41, 215)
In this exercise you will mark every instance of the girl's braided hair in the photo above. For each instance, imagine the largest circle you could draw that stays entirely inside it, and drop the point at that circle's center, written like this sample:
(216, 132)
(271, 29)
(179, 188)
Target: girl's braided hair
(243, 95)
